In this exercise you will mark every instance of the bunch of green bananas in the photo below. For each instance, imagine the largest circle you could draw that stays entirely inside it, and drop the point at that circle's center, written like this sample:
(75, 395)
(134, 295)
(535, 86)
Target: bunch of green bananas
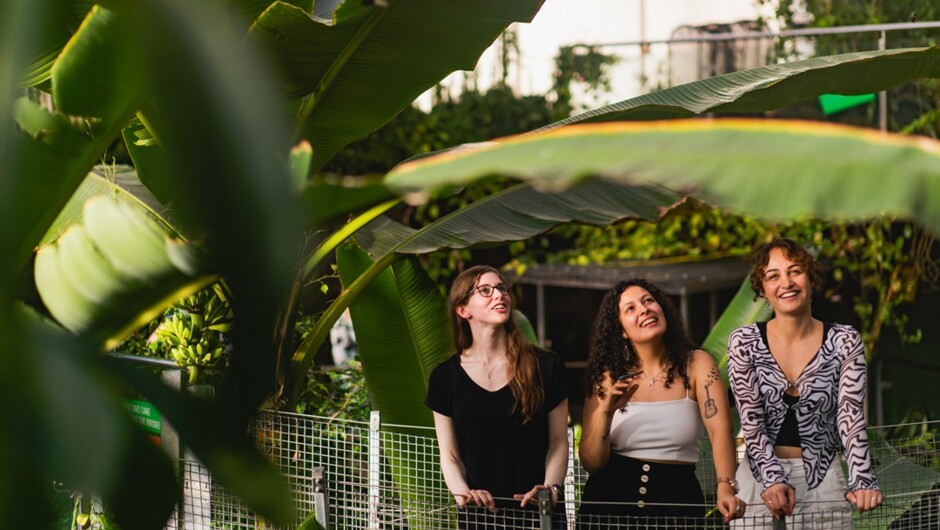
(189, 343)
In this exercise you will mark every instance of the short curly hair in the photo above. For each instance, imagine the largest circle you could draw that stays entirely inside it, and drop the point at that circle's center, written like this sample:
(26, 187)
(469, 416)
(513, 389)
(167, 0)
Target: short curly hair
(795, 253)
(611, 352)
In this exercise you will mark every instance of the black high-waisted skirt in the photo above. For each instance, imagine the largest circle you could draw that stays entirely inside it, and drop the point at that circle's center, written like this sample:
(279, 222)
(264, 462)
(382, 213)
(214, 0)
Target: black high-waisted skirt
(645, 486)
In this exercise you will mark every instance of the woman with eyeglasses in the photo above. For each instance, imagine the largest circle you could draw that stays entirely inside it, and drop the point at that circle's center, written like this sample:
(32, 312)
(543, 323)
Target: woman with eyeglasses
(500, 404)
(799, 386)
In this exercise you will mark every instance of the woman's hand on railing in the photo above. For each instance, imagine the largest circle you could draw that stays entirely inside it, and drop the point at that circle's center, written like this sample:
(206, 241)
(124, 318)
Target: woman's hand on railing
(477, 498)
(532, 496)
(780, 499)
(730, 506)
(865, 500)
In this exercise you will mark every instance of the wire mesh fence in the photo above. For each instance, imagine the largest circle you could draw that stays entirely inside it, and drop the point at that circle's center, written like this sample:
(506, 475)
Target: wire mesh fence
(388, 477)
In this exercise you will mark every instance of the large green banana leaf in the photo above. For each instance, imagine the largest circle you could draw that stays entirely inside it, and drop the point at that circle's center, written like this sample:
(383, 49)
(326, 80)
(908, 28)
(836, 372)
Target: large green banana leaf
(92, 443)
(769, 169)
(55, 150)
(366, 62)
(119, 182)
(221, 138)
(402, 332)
(518, 213)
(774, 86)
(222, 131)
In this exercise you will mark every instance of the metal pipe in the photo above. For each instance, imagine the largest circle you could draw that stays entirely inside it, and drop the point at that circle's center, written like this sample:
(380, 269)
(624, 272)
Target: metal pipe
(152, 361)
(883, 95)
(321, 499)
(375, 469)
(809, 32)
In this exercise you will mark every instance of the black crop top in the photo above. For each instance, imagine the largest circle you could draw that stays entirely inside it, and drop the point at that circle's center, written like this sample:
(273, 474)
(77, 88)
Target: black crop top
(790, 430)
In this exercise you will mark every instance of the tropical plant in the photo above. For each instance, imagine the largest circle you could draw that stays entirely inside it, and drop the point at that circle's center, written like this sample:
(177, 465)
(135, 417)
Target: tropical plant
(210, 139)
(912, 107)
(188, 74)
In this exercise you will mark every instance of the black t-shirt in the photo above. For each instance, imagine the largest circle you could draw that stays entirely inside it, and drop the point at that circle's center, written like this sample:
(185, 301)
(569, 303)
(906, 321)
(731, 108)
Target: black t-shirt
(499, 452)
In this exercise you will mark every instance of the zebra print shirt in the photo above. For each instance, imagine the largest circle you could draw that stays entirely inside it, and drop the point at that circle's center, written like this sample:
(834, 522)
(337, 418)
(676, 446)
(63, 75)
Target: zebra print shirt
(832, 390)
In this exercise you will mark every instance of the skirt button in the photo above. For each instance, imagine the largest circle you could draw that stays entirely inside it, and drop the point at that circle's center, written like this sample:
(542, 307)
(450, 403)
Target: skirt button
(644, 478)
(646, 467)
(640, 504)
(642, 490)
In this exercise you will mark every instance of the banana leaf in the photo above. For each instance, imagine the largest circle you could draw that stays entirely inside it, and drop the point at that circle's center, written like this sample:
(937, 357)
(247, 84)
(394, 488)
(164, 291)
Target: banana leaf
(119, 182)
(402, 332)
(55, 150)
(771, 170)
(92, 444)
(221, 138)
(773, 86)
(360, 63)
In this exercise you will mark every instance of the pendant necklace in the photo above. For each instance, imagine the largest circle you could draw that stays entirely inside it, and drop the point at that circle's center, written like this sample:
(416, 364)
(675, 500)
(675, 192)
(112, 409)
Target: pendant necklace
(489, 373)
(655, 378)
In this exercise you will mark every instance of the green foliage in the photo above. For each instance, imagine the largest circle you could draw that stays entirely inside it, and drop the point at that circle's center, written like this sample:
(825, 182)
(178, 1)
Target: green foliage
(916, 438)
(912, 106)
(583, 66)
(335, 393)
(474, 116)
(884, 261)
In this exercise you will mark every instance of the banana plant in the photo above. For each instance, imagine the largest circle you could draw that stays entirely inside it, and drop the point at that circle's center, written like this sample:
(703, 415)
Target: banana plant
(197, 102)
(742, 309)
(767, 169)
(760, 89)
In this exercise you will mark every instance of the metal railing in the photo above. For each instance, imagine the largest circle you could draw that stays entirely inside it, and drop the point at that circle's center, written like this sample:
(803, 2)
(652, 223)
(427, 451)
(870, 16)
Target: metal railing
(357, 475)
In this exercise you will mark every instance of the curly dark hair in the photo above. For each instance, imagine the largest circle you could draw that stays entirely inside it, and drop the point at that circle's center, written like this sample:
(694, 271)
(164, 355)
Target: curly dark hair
(795, 253)
(610, 351)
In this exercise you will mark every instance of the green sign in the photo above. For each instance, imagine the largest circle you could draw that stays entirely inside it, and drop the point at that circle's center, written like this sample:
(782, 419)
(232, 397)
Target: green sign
(833, 103)
(144, 414)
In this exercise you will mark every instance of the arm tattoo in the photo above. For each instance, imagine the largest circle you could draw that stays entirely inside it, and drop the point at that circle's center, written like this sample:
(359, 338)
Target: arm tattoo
(710, 409)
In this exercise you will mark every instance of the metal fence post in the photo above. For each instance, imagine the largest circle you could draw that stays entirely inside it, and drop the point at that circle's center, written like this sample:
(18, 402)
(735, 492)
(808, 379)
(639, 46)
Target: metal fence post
(545, 509)
(170, 442)
(375, 468)
(781, 523)
(569, 481)
(321, 498)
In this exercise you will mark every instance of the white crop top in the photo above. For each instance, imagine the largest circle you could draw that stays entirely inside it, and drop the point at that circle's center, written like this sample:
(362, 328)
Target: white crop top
(658, 430)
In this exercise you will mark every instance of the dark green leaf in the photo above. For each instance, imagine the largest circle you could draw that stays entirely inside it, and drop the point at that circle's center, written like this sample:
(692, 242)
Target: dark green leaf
(402, 332)
(375, 60)
(774, 86)
(220, 441)
(324, 202)
(219, 124)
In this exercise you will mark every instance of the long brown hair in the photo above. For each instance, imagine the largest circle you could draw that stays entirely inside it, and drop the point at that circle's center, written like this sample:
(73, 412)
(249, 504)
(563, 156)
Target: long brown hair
(525, 381)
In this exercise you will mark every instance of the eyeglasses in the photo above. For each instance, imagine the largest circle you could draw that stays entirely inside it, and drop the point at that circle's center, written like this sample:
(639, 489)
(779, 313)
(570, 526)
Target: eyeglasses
(486, 291)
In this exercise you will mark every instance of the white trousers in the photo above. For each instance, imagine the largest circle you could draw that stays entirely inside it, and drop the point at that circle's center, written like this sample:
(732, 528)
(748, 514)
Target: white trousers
(821, 508)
